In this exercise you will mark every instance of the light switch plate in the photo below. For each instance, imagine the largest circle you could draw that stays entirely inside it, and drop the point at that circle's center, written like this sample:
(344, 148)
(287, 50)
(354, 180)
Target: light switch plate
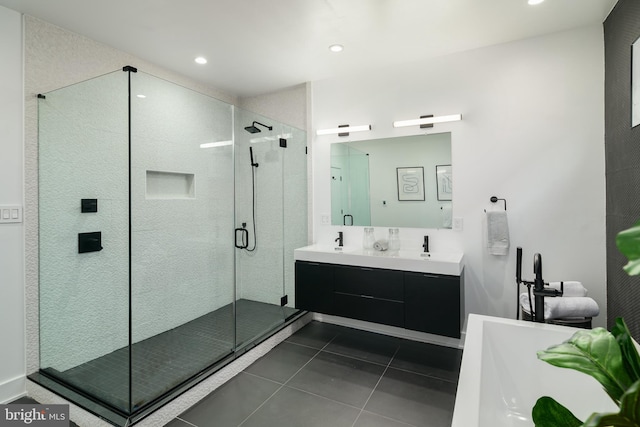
(458, 224)
(10, 214)
(325, 219)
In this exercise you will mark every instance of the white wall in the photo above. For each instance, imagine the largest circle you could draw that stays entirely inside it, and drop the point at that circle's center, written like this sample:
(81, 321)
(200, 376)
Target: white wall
(12, 332)
(532, 133)
(288, 105)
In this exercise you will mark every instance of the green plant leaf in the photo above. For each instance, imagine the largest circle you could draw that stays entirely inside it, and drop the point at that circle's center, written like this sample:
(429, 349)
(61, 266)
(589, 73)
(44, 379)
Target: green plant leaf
(549, 413)
(630, 357)
(628, 242)
(593, 352)
(629, 415)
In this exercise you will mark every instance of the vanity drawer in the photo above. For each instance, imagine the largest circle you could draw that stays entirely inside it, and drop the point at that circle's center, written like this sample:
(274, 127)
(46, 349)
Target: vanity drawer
(314, 287)
(433, 304)
(370, 282)
(370, 309)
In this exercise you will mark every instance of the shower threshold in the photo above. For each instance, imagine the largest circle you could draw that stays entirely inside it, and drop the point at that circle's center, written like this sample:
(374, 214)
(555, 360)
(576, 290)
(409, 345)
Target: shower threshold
(162, 366)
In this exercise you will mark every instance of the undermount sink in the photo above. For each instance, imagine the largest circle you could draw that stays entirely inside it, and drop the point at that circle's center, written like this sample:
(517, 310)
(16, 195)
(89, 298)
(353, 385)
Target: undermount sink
(449, 263)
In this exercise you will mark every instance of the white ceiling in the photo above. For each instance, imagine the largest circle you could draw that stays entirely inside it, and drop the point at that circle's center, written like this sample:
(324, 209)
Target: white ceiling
(259, 46)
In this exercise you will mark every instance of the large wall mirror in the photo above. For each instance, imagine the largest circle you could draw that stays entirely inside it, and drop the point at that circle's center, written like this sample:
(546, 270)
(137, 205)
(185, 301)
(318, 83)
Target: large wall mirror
(393, 182)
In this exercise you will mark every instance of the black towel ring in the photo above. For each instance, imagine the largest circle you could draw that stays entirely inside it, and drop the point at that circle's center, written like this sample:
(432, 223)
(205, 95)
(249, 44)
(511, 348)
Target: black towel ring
(494, 199)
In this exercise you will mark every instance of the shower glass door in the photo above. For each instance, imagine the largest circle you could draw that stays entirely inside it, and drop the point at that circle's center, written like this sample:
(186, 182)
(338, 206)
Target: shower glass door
(295, 209)
(270, 214)
(182, 281)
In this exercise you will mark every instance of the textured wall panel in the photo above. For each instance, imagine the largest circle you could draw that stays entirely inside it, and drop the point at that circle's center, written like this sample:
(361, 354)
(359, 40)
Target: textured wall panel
(622, 146)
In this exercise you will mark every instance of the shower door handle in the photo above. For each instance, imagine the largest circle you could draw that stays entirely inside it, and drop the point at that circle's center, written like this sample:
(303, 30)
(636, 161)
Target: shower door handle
(243, 242)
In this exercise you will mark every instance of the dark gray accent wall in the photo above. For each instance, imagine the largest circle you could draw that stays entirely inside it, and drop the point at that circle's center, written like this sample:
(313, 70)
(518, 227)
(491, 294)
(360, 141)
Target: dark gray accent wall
(622, 151)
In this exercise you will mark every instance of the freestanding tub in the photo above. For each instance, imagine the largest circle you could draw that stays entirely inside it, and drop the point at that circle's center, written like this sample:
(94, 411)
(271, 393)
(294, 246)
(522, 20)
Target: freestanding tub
(501, 377)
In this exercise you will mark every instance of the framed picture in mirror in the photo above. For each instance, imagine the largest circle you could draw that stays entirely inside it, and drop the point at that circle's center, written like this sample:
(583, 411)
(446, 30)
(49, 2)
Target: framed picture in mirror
(410, 183)
(444, 182)
(635, 83)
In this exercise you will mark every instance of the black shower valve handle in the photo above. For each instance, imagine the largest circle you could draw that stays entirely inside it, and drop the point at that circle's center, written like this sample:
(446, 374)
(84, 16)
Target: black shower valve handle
(242, 237)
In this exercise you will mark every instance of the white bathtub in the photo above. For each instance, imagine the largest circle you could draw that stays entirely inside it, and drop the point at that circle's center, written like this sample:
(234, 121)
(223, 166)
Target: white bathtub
(501, 377)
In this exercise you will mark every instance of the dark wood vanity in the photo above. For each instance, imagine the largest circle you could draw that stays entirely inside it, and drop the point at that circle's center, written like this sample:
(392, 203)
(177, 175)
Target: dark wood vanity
(425, 302)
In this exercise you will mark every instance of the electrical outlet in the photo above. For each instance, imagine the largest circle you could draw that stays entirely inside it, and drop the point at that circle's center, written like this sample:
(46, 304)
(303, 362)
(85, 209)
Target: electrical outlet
(458, 224)
(325, 219)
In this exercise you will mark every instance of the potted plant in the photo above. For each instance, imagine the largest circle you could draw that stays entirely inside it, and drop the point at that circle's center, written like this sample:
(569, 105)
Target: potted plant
(609, 357)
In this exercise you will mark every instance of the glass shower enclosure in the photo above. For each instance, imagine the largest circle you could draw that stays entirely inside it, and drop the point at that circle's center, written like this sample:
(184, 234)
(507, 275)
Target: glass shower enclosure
(166, 238)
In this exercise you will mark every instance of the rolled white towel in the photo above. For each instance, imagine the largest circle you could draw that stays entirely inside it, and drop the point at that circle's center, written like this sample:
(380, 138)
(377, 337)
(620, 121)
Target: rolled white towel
(562, 308)
(381, 245)
(571, 288)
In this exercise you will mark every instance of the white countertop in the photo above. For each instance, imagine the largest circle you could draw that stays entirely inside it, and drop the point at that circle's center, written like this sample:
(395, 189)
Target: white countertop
(448, 263)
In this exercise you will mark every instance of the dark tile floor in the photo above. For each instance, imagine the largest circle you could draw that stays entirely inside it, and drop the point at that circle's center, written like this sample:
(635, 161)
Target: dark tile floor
(328, 375)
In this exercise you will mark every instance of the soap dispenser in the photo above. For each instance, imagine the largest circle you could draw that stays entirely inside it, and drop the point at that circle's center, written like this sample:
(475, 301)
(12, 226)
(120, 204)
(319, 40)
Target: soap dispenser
(368, 239)
(394, 239)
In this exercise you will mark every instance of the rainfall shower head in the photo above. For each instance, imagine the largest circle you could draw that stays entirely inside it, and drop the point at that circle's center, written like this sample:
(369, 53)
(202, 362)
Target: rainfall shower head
(254, 129)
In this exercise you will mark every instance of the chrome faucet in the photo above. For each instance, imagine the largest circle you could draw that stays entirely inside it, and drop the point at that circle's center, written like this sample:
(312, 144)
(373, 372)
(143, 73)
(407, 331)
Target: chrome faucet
(340, 239)
(425, 245)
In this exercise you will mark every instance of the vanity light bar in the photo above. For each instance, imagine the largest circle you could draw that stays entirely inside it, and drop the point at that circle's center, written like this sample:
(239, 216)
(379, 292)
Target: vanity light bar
(347, 129)
(427, 121)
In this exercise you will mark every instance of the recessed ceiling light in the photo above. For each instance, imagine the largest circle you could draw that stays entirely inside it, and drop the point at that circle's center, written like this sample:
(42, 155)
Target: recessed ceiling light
(141, 96)
(201, 60)
(532, 2)
(336, 48)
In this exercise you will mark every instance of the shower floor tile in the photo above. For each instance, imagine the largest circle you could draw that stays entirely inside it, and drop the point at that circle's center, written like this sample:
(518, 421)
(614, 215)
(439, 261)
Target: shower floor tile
(165, 360)
(342, 377)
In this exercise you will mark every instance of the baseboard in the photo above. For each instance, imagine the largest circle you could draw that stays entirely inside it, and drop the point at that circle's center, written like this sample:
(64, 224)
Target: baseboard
(13, 389)
(391, 330)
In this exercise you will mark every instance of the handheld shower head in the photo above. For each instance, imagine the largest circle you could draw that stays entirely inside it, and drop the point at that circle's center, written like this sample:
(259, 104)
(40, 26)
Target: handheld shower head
(254, 129)
(251, 154)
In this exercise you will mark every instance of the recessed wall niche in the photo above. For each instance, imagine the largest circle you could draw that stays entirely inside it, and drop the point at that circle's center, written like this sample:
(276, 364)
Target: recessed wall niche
(170, 185)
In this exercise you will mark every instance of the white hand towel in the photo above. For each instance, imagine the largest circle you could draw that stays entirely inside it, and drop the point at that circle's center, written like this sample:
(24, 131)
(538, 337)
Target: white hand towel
(561, 308)
(571, 288)
(497, 233)
(381, 245)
